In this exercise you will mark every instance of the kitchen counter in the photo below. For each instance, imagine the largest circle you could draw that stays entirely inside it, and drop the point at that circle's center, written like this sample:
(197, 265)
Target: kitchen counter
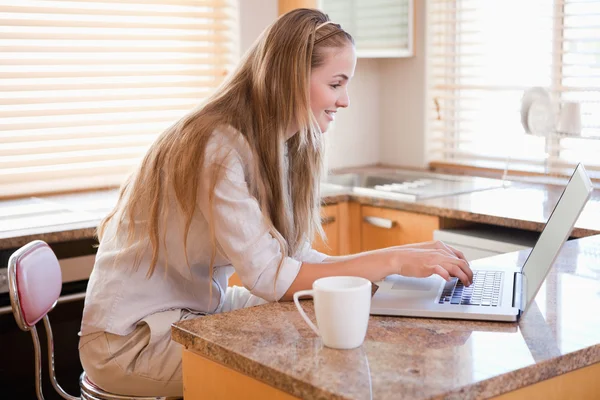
(519, 206)
(56, 218)
(61, 218)
(555, 347)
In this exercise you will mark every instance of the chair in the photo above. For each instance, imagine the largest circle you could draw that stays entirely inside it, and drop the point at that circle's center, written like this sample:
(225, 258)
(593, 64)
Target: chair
(35, 282)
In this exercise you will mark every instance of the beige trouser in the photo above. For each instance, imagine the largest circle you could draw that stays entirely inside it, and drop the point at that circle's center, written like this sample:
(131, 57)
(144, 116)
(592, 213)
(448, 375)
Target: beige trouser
(146, 362)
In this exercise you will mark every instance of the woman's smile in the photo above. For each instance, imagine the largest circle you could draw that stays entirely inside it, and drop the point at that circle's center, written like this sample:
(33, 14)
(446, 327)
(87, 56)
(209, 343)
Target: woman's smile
(330, 114)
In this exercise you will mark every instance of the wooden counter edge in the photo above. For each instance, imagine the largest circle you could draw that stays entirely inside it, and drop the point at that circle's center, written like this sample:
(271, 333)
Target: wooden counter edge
(580, 384)
(204, 378)
(207, 379)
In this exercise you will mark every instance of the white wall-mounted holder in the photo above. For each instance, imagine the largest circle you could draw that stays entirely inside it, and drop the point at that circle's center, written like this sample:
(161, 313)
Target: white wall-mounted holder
(569, 121)
(541, 115)
(537, 113)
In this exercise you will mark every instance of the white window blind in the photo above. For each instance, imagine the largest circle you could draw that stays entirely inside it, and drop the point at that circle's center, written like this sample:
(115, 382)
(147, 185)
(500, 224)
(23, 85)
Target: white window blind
(86, 86)
(381, 28)
(482, 57)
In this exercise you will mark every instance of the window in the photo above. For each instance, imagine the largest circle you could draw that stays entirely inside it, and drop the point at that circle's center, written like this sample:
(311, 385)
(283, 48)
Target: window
(86, 86)
(482, 57)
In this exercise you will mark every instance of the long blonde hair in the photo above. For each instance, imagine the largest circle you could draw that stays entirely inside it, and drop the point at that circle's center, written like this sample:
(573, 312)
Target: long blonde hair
(266, 95)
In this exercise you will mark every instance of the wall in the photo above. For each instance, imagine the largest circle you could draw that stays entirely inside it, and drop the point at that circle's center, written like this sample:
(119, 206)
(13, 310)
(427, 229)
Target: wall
(402, 98)
(385, 120)
(255, 16)
(355, 137)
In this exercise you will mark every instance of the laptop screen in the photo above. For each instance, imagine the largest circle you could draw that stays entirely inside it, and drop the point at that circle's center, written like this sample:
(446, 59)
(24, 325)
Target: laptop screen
(556, 232)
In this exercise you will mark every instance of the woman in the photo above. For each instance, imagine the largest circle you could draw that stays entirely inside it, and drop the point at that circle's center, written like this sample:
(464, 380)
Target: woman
(233, 186)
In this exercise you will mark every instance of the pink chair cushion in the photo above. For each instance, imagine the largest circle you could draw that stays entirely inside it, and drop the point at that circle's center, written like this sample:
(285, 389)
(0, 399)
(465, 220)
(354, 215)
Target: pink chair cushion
(39, 282)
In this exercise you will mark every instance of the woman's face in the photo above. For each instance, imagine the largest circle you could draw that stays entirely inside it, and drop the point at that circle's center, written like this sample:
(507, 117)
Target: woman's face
(329, 84)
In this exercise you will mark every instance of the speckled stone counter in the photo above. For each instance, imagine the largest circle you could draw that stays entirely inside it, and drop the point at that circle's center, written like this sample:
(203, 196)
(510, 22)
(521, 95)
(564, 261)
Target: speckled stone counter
(57, 218)
(521, 206)
(68, 217)
(75, 216)
(418, 358)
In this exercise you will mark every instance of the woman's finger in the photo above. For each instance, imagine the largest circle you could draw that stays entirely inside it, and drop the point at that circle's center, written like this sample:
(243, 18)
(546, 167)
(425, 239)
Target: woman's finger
(451, 249)
(441, 271)
(462, 265)
(445, 252)
(457, 252)
(455, 270)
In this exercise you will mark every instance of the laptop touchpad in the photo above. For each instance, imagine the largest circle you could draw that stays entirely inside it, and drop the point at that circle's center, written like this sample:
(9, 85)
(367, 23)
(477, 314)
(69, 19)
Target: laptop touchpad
(416, 284)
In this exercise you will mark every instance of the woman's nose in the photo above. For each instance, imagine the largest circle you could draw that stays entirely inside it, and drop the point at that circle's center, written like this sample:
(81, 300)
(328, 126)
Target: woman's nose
(343, 100)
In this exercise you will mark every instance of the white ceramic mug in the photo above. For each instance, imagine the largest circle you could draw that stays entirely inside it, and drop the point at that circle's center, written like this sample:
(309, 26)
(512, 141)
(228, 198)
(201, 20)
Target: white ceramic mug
(342, 306)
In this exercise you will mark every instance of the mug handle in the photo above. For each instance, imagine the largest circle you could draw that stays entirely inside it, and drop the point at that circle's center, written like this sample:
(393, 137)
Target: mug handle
(302, 313)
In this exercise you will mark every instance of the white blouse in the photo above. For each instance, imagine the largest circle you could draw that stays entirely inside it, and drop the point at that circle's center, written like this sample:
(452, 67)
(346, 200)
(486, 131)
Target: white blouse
(118, 297)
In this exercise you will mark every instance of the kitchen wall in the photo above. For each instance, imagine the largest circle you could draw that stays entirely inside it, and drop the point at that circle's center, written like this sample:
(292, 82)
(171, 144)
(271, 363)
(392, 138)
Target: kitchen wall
(356, 135)
(385, 120)
(402, 98)
(255, 15)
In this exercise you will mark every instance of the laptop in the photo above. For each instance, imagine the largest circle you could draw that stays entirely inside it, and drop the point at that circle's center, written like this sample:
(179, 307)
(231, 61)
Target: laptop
(498, 293)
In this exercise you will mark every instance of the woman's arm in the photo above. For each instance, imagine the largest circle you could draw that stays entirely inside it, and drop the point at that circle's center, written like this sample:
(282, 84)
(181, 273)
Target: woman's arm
(420, 260)
(435, 244)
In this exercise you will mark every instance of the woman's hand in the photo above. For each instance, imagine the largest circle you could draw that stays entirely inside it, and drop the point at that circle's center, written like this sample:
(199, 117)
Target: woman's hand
(417, 260)
(436, 244)
(421, 260)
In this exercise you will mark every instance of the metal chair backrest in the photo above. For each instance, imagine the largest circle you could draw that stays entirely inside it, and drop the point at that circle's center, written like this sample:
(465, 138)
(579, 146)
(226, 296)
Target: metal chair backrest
(35, 282)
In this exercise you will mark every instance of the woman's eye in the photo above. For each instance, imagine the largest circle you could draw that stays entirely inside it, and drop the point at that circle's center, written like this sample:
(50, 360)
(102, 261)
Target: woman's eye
(335, 85)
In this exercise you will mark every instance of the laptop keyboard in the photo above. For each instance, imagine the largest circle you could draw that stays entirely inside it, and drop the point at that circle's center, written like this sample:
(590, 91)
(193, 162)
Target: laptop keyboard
(484, 291)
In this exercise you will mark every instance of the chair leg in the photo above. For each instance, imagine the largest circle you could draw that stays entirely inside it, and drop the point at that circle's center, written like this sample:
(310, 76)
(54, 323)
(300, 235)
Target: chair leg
(38, 363)
(57, 387)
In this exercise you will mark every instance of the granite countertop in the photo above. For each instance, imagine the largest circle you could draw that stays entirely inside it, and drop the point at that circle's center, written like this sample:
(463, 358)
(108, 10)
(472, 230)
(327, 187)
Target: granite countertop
(61, 218)
(57, 218)
(520, 206)
(418, 358)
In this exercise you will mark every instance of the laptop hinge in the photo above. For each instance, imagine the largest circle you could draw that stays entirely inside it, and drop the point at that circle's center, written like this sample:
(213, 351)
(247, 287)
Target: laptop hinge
(519, 294)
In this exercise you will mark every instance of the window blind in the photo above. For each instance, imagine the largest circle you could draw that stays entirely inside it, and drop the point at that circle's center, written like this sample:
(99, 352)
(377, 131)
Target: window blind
(87, 86)
(483, 55)
(381, 28)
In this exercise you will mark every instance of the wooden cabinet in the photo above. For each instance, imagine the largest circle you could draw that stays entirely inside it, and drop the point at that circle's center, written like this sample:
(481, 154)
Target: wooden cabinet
(284, 6)
(330, 220)
(382, 227)
(235, 280)
(351, 228)
(381, 28)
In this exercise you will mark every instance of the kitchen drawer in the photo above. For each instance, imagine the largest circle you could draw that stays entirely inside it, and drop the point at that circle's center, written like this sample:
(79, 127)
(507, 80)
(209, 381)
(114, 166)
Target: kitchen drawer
(330, 221)
(382, 227)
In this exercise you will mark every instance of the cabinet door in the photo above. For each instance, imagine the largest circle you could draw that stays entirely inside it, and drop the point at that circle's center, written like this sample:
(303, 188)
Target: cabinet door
(381, 28)
(234, 280)
(330, 220)
(382, 227)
